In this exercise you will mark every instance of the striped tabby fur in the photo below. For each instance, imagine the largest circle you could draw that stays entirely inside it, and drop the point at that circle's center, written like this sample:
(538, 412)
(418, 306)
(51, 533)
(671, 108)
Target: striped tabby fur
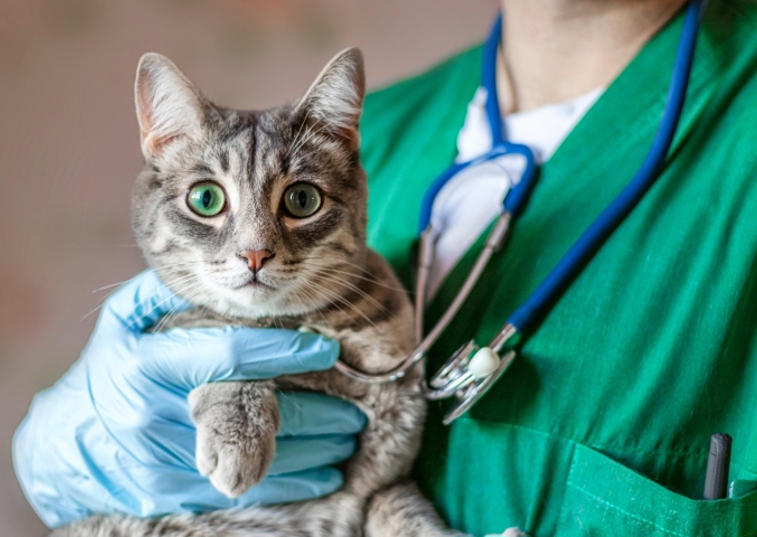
(322, 275)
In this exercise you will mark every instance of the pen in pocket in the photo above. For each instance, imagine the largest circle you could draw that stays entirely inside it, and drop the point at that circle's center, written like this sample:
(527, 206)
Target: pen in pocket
(716, 480)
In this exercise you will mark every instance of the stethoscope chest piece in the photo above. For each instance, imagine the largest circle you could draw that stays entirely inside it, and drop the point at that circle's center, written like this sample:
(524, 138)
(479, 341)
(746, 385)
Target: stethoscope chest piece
(468, 375)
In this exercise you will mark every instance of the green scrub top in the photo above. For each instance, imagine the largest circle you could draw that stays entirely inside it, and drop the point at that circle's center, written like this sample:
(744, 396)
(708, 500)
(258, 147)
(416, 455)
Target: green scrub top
(602, 424)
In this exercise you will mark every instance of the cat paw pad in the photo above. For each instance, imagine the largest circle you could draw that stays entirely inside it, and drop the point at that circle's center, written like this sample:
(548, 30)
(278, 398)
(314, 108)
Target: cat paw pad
(232, 468)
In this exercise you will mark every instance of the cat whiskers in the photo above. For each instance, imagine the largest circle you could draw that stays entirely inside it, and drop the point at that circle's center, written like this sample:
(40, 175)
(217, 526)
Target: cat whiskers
(186, 281)
(114, 287)
(172, 313)
(312, 300)
(333, 296)
(328, 277)
(369, 278)
(329, 302)
(110, 286)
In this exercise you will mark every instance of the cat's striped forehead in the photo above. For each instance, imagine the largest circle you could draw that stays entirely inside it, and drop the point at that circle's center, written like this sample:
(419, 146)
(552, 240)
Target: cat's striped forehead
(251, 151)
(254, 157)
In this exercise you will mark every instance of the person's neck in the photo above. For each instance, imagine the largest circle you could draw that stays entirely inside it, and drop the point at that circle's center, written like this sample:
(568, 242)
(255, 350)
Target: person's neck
(557, 50)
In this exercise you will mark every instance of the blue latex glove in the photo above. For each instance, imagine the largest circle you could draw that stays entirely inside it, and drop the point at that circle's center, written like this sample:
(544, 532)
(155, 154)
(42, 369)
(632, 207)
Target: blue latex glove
(114, 435)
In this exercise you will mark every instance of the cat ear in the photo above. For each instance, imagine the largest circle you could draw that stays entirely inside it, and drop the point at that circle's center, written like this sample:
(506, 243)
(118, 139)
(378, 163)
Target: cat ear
(168, 105)
(335, 99)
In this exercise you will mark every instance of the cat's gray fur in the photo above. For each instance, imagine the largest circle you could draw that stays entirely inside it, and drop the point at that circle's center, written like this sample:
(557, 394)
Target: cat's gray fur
(322, 275)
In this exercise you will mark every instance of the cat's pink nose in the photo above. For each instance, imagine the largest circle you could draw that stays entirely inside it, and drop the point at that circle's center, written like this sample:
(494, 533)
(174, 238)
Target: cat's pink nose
(256, 258)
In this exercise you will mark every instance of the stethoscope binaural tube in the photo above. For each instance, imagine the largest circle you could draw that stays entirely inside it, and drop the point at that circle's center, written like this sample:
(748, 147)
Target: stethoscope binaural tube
(512, 204)
(494, 243)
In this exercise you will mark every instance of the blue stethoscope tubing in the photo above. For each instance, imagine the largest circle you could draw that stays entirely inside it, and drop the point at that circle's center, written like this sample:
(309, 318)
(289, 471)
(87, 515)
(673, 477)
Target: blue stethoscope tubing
(516, 197)
(472, 371)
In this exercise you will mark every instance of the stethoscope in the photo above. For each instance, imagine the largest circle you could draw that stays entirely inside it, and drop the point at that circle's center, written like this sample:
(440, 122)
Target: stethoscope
(473, 370)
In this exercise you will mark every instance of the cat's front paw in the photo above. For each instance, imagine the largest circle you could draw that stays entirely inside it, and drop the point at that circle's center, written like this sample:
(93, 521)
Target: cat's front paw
(232, 467)
(236, 424)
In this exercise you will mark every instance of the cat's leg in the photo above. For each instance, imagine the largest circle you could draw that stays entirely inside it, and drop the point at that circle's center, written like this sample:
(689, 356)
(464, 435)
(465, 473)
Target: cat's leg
(236, 424)
(318, 519)
(121, 526)
(251, 522)
(388, 445)
(338, 515)
(402, 511)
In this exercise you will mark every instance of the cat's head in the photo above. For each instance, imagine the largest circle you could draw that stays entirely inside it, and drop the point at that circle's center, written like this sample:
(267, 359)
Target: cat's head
(251, 213)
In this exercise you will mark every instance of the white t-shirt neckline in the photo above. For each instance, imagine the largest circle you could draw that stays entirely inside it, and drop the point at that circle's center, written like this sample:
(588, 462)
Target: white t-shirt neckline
(470, 201)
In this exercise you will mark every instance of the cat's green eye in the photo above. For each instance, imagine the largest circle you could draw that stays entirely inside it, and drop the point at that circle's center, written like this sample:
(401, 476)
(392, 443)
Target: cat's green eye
(206, 198)
(302, 200)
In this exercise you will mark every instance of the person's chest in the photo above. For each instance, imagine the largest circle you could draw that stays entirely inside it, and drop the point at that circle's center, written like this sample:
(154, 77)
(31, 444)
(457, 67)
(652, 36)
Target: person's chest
(653, 330)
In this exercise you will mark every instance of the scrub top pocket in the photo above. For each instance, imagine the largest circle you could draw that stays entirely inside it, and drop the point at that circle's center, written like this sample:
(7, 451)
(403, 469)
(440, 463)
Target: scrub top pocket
(605, 498)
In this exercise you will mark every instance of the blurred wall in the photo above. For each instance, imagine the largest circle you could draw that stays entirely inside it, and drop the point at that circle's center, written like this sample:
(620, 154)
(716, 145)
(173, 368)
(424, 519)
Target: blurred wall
(69, 143)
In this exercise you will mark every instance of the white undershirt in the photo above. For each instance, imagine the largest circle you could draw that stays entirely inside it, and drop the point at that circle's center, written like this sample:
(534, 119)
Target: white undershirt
(470, 201)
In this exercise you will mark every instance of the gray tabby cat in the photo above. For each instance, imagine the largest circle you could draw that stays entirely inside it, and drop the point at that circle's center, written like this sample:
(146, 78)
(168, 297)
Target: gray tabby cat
(259, 218)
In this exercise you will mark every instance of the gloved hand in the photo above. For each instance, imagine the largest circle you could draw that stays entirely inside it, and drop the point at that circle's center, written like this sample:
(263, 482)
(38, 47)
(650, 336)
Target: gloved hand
(115, 433)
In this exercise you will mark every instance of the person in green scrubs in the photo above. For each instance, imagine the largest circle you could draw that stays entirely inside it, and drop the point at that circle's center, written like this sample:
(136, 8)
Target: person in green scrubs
(601, 426)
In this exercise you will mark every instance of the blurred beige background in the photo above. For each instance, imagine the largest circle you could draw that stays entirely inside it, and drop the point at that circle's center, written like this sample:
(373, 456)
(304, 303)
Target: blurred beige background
(69, 143)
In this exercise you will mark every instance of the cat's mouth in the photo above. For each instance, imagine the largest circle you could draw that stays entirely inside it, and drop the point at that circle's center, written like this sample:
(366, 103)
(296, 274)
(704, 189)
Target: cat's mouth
(254, 282)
